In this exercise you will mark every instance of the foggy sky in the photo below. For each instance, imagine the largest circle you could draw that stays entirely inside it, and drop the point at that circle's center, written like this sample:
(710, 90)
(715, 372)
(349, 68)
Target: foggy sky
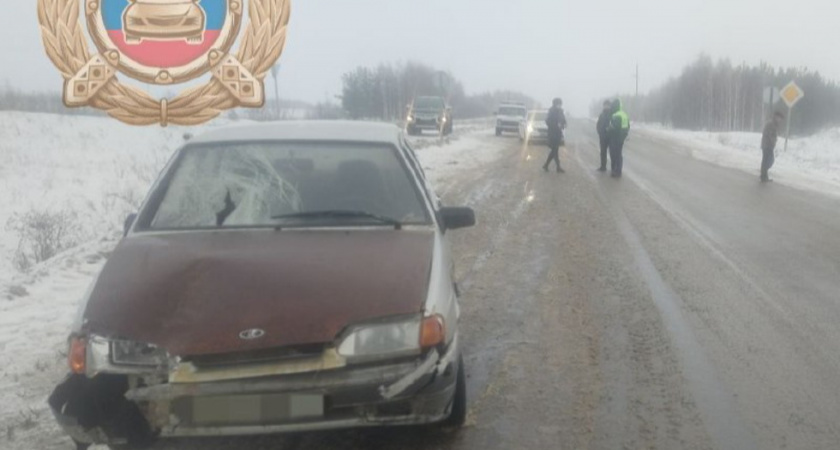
(575, 49)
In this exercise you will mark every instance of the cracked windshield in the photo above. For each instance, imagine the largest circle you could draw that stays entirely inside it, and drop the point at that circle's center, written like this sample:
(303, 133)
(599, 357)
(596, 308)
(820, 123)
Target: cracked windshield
(455, 225)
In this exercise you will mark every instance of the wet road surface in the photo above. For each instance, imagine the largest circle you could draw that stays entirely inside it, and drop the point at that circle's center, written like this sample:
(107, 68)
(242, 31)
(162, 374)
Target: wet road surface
(684, 306)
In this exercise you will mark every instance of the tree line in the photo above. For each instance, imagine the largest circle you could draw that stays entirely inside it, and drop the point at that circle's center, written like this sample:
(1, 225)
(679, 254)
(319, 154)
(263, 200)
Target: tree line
(384, 91)
(374, 93)
(718, 96)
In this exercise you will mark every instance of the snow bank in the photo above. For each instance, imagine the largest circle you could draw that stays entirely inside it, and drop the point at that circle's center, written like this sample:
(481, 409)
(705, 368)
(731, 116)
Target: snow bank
(462, 152)
(811, 163)
(98, 171)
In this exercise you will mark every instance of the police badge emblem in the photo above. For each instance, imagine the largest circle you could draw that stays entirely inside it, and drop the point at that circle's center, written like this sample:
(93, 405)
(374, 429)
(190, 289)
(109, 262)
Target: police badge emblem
(163, 42)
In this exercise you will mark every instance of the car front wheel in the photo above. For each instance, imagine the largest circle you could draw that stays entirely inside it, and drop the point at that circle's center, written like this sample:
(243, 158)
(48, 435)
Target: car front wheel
(458, 414)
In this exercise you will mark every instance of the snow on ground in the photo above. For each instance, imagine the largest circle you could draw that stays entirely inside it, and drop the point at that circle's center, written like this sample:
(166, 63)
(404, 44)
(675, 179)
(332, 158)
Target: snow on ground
(94, 171)
(811, 163)
(463, 150)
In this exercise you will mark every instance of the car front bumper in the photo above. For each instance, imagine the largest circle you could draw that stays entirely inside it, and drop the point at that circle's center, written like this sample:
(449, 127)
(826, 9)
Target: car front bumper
(425, 123)
(507, 126)
(400, 393)
(537, 136)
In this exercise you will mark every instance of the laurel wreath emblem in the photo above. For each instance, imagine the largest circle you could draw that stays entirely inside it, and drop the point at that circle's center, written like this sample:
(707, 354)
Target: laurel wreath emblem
(260, 47)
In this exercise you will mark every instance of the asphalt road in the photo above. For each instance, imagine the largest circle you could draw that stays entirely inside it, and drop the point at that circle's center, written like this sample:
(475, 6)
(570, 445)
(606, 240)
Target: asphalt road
(684, 306)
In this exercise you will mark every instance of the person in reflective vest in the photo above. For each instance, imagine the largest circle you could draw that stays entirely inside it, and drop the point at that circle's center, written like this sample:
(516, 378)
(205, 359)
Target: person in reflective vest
(617, 131)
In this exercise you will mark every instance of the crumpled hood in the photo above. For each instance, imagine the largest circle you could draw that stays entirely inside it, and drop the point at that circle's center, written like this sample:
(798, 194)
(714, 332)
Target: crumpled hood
(194, 293)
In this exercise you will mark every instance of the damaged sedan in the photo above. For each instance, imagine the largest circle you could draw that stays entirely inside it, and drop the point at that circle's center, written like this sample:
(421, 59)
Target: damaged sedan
(277, 278)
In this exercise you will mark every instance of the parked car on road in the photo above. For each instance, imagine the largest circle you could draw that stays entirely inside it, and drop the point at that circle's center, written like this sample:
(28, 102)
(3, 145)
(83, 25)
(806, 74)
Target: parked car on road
(533, 128)
(280, 277)
(429, 113)
(508, 117)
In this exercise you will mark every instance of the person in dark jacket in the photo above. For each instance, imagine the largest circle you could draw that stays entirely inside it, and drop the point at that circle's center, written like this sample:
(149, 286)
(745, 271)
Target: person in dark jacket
(768, 144)
(617, 132)
(603, 123)
(556, 122)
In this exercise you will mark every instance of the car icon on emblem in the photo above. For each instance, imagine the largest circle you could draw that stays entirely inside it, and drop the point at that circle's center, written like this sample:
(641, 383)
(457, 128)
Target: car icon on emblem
(164, 20)
(250, 335)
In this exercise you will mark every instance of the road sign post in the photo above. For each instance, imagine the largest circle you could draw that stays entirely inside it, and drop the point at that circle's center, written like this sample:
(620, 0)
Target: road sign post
(771, 96)
(791, 95)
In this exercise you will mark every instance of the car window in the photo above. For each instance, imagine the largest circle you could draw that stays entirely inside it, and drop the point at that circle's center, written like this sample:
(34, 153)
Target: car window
(421, 175)
(506, 111)
(428, 102)
(247, 184)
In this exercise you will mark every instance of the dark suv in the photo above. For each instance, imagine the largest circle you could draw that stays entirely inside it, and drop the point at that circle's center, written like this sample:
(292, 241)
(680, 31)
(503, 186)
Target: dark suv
(429, 113)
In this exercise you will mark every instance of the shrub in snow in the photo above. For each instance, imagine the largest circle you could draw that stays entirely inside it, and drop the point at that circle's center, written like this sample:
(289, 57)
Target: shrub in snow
(42, 235)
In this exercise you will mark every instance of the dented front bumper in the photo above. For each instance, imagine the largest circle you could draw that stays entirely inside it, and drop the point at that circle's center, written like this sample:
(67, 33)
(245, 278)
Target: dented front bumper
(113, 409)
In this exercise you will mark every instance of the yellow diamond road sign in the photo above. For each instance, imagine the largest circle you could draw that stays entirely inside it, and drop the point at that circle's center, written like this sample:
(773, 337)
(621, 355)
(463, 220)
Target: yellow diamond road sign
(792, 93)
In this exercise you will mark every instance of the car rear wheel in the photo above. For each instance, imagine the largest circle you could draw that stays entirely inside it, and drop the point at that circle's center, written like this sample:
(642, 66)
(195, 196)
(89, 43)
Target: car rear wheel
(458, 414)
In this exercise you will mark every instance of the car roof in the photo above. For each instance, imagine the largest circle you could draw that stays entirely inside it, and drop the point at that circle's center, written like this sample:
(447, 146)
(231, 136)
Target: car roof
(305, 130)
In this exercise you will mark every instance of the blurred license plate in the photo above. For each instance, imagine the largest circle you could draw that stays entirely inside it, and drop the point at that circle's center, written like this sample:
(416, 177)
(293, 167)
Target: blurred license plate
(256, 409)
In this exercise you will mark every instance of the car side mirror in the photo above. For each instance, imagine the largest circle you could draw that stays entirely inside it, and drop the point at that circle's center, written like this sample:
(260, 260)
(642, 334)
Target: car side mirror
(129, 222)
(454, 218)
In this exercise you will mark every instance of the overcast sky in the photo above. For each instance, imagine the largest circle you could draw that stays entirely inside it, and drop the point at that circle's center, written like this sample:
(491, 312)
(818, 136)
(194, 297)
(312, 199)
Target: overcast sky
(575, 49)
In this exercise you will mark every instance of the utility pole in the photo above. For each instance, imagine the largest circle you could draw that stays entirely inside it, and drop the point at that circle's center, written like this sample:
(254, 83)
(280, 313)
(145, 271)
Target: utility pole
(637, 80)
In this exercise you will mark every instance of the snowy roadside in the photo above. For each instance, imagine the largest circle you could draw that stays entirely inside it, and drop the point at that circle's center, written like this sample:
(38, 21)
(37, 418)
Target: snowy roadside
(810, 163)
(96, 171)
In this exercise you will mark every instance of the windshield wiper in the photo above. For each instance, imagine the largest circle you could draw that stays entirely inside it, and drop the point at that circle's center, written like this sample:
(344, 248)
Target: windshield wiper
(341, 214)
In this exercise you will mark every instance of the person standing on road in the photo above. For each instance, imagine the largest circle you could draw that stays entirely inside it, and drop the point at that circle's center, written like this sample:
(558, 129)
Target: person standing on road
(617, 132)
(603, 123)
(556, 122)
(768, 144)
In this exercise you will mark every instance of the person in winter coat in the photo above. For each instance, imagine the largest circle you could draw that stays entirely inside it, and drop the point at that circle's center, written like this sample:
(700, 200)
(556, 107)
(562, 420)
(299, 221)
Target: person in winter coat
(768, 144)
(617, 132)
(556, 122)
(603, 123)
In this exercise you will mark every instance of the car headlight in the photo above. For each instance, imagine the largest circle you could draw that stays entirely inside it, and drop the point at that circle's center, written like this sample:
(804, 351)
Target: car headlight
(530, 128)
(394, 338)
(95, 354)
(128, 353)
(410, 118)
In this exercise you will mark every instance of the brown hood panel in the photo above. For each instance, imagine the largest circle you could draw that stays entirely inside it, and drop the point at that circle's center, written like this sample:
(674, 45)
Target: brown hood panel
(193, 293)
